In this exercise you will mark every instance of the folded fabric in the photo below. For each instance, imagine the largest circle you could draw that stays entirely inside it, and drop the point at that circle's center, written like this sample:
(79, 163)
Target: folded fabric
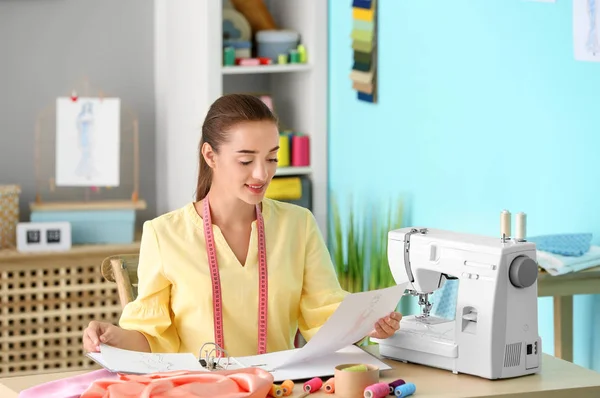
(239, 383)
(70, 387)
(555, 264)
(563, 244)
(284, 188)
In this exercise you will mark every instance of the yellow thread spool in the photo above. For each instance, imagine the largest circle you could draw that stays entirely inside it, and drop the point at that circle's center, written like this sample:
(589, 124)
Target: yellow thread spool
(283, 155)
(276, 391)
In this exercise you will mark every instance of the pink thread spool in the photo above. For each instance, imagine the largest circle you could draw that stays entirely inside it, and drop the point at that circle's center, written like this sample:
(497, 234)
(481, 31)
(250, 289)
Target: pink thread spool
(300, 150)
(313, 385)
(378, 390)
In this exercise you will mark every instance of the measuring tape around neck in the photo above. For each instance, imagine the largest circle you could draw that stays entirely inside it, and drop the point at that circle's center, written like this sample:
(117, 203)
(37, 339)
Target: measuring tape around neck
(216, 281)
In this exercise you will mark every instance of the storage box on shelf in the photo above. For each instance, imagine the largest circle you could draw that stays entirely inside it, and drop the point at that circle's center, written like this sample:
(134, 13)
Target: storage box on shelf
(93, 222)
(46, 300)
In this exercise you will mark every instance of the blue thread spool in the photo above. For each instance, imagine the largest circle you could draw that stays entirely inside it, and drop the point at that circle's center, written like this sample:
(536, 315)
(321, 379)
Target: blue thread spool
(405, 390)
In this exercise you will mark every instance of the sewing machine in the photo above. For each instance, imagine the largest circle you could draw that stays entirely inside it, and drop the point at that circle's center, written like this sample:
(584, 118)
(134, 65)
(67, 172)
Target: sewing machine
(495, 331)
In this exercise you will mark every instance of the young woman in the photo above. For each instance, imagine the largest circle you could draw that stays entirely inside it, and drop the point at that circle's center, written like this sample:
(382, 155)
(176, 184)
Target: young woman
(233, 267)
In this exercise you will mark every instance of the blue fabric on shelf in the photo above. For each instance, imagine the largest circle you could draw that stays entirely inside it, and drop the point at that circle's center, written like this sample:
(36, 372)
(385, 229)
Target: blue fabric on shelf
(563, 244)
(444, 300)
(555, 264)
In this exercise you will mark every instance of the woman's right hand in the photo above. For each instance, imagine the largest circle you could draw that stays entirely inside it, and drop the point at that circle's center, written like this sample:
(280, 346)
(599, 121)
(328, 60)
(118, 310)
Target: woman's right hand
(101, 332)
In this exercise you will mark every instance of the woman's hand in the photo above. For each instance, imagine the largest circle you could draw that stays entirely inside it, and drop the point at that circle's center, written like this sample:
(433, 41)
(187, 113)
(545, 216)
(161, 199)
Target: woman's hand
(386, 326)
(101, 332)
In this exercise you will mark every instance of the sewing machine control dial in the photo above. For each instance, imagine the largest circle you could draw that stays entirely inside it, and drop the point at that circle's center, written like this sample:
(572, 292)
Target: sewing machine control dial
(523, 272)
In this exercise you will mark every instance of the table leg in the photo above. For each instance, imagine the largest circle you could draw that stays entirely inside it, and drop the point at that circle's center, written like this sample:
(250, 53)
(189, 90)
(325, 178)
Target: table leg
(563, 327)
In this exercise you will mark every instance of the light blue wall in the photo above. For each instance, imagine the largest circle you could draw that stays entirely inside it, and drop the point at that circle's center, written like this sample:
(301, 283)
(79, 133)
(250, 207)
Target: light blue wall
(481, 108)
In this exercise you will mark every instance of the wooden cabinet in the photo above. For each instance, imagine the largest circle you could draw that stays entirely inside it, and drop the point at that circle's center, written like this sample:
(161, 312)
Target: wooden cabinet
(46, 300)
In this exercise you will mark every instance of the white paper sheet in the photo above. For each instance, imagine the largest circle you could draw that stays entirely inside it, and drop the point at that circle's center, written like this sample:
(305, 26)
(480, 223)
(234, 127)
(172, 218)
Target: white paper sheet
(586, 30)
(352, 321)
(125, 361)
(318, 367)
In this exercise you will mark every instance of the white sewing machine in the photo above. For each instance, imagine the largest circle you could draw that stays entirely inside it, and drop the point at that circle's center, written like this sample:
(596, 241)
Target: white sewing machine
(495, 331)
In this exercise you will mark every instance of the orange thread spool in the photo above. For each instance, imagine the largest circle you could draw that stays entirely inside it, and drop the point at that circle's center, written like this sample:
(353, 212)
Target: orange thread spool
(330, 386)
(288, 387)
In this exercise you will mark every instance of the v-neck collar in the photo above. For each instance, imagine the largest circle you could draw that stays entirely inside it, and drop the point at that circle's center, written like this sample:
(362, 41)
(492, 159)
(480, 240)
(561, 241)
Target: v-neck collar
(252, 254)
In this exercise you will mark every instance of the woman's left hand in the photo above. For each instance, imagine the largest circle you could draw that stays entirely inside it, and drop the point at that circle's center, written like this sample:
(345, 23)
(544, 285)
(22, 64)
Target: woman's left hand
(386, 326)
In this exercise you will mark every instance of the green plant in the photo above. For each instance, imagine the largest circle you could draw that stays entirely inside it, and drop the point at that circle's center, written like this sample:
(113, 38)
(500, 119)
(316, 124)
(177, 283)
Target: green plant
(361, 247)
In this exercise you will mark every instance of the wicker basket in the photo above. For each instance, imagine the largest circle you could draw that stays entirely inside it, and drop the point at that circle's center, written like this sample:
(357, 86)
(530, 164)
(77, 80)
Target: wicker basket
(9, 215)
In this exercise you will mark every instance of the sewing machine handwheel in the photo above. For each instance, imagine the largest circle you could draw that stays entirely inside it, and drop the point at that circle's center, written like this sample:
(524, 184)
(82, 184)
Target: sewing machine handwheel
(523, 272)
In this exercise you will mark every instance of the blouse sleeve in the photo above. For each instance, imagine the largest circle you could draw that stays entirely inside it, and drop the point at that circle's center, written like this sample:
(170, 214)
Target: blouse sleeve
(150, 313)
(321, 290)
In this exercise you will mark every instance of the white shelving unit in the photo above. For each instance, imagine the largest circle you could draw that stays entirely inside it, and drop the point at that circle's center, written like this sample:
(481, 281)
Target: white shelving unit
(190, 76)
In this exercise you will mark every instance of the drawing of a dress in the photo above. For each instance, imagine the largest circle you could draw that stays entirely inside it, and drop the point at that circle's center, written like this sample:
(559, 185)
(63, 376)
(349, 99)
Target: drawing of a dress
(85, 130)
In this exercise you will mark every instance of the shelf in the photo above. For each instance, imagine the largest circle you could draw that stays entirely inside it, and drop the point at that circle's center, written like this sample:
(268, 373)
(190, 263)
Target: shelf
(245, 70)
(291, 171)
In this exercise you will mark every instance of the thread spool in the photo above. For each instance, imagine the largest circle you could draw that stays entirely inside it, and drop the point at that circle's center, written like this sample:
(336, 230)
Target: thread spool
(287, 387)
(520, 226)
(300, 150)
(405, 390)
(505, 231)
(283, 155)
(378, 390)
(395, 384)
(329, 386)
(276, 391)
(313, 385)
(294, 56)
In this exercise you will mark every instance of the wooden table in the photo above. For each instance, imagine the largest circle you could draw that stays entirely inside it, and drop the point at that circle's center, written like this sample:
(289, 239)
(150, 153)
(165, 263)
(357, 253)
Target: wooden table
(559, 378)
(562, 288)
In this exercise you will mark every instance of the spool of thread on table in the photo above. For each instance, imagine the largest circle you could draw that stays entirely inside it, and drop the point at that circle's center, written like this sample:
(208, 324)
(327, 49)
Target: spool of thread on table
(378, 390)
(313, 385)
(287, 387)
(395, 384)
(276, 391)
(520, 226)
(505, 224)
(405, 390)
(329, 386)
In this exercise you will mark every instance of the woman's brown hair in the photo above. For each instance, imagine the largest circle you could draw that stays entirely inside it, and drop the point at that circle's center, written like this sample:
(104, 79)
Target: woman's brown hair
(223, 114)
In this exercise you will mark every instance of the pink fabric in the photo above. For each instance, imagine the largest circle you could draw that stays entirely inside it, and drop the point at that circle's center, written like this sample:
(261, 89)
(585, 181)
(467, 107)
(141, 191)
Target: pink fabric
(71, 387)
(242, 383)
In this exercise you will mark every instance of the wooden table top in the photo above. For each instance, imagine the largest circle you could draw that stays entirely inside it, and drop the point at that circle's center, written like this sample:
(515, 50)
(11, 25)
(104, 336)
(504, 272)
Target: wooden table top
(558, 379)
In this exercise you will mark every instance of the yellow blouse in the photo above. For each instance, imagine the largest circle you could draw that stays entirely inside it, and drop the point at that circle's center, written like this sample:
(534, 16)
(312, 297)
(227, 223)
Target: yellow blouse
(174, 306)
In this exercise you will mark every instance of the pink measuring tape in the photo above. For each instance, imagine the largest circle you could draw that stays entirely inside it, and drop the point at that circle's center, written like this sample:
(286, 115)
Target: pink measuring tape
(216, 281)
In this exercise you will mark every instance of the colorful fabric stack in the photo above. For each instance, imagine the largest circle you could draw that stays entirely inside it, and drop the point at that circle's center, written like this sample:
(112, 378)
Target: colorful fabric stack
(364, 44)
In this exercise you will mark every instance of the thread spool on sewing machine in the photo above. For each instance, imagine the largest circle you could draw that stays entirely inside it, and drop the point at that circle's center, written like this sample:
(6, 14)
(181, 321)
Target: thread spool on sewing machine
(520, 226)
